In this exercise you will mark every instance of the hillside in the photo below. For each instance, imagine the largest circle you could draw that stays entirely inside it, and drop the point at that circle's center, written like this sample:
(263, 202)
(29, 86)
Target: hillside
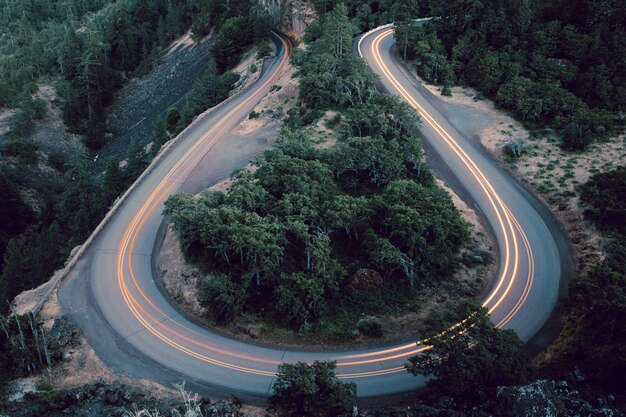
(335, 234)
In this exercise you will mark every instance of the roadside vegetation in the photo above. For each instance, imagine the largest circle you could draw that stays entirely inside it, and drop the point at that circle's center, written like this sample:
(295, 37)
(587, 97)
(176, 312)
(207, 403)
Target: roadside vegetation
(23, 347)
(594, 333)
(311, 390)
(86, 51)
(552, 64)
(470, 360)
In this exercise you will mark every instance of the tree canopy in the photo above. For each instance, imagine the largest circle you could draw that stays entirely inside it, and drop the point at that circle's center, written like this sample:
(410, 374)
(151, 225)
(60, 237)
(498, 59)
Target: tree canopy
(470, 360)
(556, 63)
(311, 390)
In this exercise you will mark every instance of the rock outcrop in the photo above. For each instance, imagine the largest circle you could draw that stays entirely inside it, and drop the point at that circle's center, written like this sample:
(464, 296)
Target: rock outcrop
(291, 16)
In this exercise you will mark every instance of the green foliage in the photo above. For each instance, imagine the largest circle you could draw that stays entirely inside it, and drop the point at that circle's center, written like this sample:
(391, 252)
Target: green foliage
(279, 233)
(46, 392)
(515, 148)
(113, 183)
(95, 54)
(264, 50)
(370, 326)
(171, 119)
(137, 160)
(367, 14)
(208, 90)
(330, 74)
(606, 194)
(86, 51)
(550, 63)
(594, 334)
(22, 350)
(311, 390)
(22, 149)
(300, 299)
(225, 297)
(30, 110)
(238, 32)
(470, 361)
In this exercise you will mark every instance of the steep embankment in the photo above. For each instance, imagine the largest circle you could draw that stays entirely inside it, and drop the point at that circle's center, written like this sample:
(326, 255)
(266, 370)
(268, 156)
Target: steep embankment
(145, 99)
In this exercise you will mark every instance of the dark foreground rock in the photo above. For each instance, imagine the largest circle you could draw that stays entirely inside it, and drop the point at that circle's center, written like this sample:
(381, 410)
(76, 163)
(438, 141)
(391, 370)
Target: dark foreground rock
(115, 400)
(543, 398)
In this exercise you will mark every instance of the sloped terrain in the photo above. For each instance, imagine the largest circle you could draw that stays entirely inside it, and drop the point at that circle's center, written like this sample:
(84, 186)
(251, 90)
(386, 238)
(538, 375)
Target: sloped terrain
(139, 104)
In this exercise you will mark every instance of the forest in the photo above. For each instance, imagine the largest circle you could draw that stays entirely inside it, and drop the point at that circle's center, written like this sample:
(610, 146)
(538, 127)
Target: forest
(557, 65)
(551, 64)
(87, 50)
(554, 64)
(286, 240)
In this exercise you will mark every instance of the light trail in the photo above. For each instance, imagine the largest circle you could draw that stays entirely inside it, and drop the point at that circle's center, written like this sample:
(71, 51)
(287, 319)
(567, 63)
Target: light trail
(498, 205)
(155, 320)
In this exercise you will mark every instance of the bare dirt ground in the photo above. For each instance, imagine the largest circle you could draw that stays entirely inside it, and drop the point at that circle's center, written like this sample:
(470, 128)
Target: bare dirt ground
(553, 174)
(273, 108)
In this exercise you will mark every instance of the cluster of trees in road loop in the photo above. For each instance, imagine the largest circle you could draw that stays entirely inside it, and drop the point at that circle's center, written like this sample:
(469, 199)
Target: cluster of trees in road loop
(285, 238)
(87, 50)
(551, 63)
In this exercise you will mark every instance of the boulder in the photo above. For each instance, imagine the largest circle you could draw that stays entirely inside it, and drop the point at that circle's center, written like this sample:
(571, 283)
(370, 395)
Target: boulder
(477, 257)
(61, 333)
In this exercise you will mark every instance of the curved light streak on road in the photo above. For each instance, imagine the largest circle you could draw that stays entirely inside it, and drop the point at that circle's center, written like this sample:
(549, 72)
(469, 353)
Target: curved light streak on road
(122, 283)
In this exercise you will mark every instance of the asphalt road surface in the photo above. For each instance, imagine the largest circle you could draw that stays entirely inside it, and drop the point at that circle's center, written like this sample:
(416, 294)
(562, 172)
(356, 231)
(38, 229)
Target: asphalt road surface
(112, 295)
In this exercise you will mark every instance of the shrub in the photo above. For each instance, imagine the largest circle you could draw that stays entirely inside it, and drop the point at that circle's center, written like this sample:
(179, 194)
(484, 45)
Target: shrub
(515, 148)
(171, 119)
(23, 150)
(606, 194)
(264, 50)
(370, 326)
(221, 296)
(473, 359)
(311, 390)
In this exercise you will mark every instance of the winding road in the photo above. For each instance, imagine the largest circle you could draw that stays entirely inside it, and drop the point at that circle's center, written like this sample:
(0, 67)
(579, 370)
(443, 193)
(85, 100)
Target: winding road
(112, 295)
